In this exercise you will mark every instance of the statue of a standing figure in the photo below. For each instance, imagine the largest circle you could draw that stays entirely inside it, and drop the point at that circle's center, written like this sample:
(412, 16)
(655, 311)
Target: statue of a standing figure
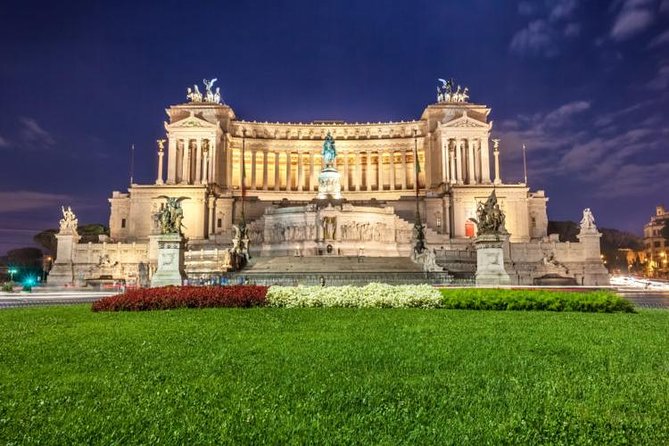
(588, 220)
(329, 152)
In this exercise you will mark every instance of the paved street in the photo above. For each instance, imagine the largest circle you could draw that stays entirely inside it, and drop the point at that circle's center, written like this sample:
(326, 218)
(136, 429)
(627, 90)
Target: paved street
(24, 299)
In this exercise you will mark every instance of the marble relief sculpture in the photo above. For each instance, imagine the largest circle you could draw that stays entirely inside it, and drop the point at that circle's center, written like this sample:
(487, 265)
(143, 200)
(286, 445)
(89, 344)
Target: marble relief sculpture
(170, 217)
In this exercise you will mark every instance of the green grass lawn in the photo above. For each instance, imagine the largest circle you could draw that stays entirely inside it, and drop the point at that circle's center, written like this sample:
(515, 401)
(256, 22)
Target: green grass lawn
(332, 376)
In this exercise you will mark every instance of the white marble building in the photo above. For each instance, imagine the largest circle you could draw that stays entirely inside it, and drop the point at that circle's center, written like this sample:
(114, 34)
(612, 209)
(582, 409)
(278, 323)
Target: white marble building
(208, 151)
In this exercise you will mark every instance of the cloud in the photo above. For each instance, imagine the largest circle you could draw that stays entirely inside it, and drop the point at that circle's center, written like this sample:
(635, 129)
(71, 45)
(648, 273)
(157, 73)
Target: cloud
(552, 22)
(18, 201)
(33, 135)
(634, 17)
(3, 142)
(661, 80)
(664, 6)
(563, 9)
(537, 38)
(662, 39)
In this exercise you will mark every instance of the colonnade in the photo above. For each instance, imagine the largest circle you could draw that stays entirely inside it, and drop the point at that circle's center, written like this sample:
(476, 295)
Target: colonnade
(370, 170)
(190, 161)
(465, 161)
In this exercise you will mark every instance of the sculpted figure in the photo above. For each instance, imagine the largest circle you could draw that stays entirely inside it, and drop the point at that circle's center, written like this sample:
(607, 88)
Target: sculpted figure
(217, 95)
(588, 220)
(490, 218)
(329, 152)
(170, 217)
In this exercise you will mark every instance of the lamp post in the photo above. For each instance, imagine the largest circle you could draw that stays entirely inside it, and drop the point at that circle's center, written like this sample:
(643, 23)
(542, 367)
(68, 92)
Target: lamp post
(11, 272)
(418, 227)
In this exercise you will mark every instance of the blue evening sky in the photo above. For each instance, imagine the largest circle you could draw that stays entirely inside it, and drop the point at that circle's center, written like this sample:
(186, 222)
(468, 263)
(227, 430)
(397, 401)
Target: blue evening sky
(582, 83)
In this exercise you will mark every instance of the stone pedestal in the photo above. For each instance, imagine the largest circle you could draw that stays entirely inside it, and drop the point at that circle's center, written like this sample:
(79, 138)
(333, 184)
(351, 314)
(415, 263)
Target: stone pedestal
(170, 269)
(329, 184)
(490, 260)
(62, 273)
(594, 271)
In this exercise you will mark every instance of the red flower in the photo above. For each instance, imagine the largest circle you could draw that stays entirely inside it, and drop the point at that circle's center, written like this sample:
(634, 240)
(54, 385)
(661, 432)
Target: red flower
(164, 298)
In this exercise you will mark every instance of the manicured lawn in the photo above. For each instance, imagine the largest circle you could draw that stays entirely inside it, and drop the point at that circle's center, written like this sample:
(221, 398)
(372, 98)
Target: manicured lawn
(332, 376)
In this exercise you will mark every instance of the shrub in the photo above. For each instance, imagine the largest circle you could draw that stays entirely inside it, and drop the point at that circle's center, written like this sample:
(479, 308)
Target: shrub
(7, 287)
(165, 298)
(547, 300)
(374, 295)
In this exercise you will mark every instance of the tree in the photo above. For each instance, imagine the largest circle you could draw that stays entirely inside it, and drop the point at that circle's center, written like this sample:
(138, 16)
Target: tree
(28, 262)
(88, 233)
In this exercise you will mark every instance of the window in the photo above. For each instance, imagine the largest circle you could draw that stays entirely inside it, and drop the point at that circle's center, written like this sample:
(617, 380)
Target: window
(219, 223)
(123, 223)
(534, 222)
(657, 244)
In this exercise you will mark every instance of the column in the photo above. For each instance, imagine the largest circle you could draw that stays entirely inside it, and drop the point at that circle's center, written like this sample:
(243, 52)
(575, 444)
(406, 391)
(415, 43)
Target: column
(242, 169)
(485, 160)
(344, 158)
(358, 171)
(312, 171)
(212, 160)
(205, 165)
(470, 162)
(185, 178)
(198, 162)
(159, 177)
(277, 174)
(392, 170)
(458, 169)
(172, 160)
(368, 182)
(380, 170)
(403, 154)
(253, 169)
(288, 171)
(451, 157)
(300, 176)
(264, 169)
(477, 161)
(212, 222)
(446, 153)
(498, 179)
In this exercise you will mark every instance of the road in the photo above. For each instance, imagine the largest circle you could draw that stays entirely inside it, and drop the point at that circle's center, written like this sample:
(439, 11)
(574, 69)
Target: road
(24, 299)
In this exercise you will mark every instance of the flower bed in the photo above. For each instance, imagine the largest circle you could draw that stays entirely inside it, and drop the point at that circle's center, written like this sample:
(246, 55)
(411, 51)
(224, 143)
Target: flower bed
(374, 295)
(165, 298)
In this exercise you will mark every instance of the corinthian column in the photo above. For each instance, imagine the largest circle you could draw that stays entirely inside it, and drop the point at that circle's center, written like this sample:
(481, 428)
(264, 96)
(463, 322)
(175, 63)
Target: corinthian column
(198, 161)
(253, 169)
(277, 173)
(312, 171)
(300, 176)
(344, 159)
(459, 170)
(161, 153)
(403, 154)
(470, 162)
(498, 178)
(368, 175)
(451, 157)
(185, 178)
(288, 171)
(358, 171)
(172, 160)
(392, 170)
(380, 170)
(264, 169)
(485, 160)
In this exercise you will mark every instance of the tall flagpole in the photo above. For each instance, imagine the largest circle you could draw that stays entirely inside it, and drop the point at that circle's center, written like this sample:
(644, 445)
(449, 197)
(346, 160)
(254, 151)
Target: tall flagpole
(132, 162)
(525, 164)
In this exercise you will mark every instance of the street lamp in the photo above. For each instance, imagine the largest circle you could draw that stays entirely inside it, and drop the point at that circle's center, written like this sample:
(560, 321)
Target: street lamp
(11, 272)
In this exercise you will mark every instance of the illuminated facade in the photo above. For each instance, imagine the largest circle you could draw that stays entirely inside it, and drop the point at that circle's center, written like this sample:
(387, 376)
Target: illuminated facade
(656, 247)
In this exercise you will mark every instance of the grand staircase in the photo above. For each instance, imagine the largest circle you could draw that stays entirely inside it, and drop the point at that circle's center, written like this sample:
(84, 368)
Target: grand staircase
(336, 270)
